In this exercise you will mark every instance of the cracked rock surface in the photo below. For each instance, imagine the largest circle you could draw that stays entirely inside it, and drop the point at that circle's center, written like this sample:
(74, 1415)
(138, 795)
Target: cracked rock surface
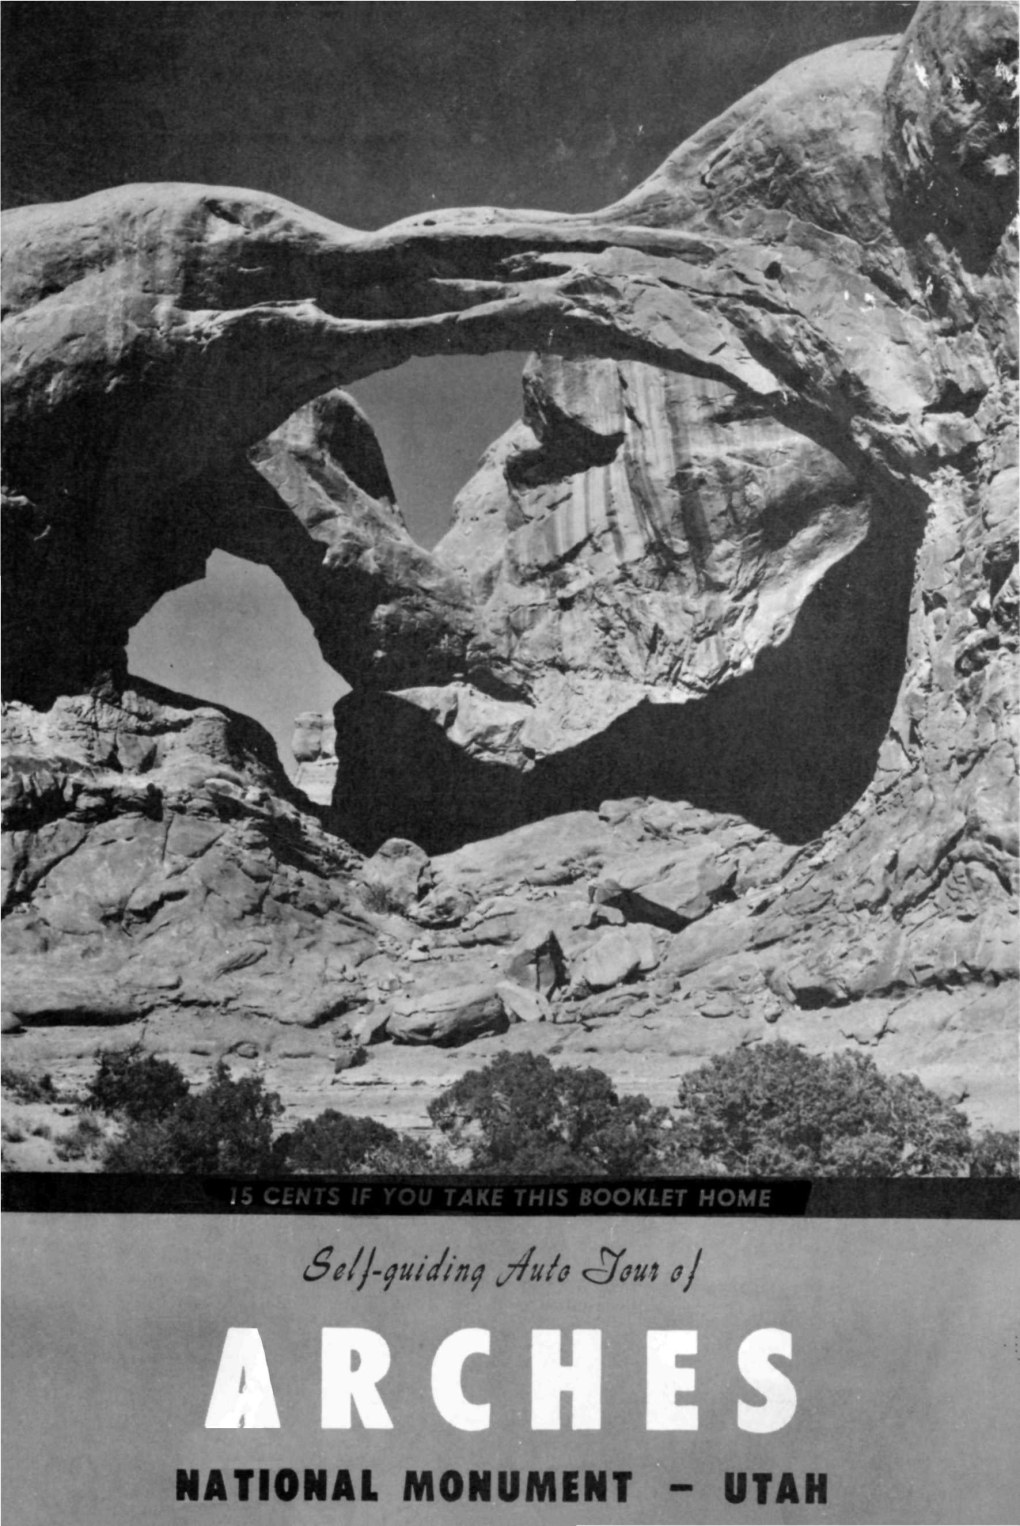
(697, 727)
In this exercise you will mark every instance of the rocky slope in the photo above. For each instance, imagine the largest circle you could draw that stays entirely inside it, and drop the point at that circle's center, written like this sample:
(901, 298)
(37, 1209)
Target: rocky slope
(697, 725)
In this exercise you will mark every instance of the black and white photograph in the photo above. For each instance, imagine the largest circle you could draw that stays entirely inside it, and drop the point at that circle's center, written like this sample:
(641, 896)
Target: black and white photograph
(510, 538)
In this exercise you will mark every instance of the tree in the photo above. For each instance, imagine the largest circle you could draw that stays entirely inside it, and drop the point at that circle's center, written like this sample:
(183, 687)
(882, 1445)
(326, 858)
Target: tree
(521, 1114)
(996, 1153)
(333, 1144)
(767, 1110)
(773, 1110)
(128, 1085)
(225, 1130)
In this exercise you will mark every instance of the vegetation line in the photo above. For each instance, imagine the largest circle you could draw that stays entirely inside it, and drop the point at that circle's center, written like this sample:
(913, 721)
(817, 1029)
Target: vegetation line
(770, 1110)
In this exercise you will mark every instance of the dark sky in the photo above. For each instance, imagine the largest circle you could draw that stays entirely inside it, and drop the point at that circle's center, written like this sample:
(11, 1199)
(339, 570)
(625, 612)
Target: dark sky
(368, 113)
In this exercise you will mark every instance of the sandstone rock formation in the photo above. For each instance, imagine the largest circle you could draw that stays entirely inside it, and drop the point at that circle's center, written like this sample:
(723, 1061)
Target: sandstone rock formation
(314, 749)
(722, 638)
(156, 858)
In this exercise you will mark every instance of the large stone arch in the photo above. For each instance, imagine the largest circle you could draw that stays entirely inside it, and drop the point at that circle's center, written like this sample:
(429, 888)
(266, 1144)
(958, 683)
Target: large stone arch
(156, 335)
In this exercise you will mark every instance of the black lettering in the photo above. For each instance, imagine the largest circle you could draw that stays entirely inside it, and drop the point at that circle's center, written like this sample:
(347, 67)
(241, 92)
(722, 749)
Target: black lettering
(215, 1488)
(621, 1480)
(508, 1492)
(315, 1483)
(816, 1488)
(787, 1494)
(367, 1492)
(432, 1275)
(343, 1489)
(187, 1483)
(317, 1261)
(570, 1495)
(451, 1485)
(286, 1484)
(520, 1267)
(418, 1486)
(736, 1488)
(244, 1477)
(594, 1486)
(607, 1271)
(541, 1487)
(480, 1486)
(762, 1480)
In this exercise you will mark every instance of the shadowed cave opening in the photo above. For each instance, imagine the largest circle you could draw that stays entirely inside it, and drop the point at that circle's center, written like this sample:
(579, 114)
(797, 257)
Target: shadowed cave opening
(789, 746)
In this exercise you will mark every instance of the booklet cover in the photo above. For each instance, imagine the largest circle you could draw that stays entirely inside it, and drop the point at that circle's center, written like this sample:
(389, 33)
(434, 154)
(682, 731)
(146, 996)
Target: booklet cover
(510, 960)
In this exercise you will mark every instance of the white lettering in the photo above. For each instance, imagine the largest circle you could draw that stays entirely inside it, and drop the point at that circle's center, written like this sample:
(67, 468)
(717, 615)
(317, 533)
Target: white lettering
(780, 1394)
(582, 1380)
(343, 1383)
(447, 1367)
(243, 1393)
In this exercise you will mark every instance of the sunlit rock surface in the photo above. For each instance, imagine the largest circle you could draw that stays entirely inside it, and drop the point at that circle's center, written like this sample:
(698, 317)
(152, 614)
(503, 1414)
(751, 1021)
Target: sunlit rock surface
(725, 626)
(314, 749)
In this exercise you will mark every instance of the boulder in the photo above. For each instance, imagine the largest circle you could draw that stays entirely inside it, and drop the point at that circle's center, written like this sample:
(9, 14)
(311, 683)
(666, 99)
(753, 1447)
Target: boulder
(348, 1054)
(668, 888)
(614, 957)
(620, 1001)
(245, 1049)
(37, 993)
(370, 1026)
(443, 906)
(524, 1005)
(537, 962)
(497, 920)
(398, 875)
(448, 1017)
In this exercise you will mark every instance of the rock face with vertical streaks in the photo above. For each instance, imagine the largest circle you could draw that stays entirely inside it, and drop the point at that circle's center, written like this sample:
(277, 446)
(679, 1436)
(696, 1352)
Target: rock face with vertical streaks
(651, 533)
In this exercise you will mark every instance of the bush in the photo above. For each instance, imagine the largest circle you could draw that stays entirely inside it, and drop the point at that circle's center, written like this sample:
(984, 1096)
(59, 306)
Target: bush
(26, 1087)
(375, 898)
(227, 1129)
(770, 1110)
(125, 1085)
(334, 1144)
(81, 1141)
(522, 1115)
(996, 1154)
(774, 1110)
